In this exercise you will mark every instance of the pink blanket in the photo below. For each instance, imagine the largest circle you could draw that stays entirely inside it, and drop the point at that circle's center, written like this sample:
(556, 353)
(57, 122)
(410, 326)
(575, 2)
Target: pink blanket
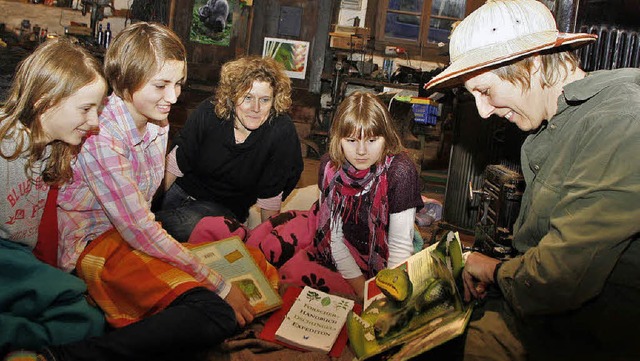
(287, 241)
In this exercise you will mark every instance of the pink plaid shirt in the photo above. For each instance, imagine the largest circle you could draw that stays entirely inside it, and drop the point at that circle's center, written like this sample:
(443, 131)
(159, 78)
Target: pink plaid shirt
(114, 179)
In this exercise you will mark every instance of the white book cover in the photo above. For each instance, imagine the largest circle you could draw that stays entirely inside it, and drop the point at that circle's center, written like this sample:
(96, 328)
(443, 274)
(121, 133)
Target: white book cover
(314, 320)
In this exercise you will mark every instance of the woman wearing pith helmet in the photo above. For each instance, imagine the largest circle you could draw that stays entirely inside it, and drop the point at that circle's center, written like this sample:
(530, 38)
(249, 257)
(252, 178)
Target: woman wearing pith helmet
(573, 291)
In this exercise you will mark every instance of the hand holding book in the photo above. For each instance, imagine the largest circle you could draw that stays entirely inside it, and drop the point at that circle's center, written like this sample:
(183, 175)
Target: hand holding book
(252, 293)
(241, 306)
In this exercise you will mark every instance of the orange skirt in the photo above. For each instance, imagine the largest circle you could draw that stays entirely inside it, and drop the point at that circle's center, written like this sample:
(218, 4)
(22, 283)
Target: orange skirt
(128, 285)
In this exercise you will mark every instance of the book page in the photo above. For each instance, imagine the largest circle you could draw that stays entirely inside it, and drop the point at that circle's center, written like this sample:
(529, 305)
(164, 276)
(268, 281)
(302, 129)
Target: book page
(431, 314)
(231, 258)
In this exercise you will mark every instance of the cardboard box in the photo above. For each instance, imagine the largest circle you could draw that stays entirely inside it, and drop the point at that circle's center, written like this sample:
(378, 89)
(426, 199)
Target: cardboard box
(348, 37)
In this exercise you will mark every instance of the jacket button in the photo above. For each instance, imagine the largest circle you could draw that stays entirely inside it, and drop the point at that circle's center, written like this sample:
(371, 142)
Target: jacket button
(536, 167)
(553, 126)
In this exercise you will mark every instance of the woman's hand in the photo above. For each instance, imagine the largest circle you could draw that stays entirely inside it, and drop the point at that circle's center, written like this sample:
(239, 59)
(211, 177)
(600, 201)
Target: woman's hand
(477, 275)
(169, 179)
(266, 213)
(240, 304)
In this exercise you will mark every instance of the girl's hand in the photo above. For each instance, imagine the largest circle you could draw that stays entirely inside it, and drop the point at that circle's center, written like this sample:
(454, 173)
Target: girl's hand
(358, 286)
(240, 304)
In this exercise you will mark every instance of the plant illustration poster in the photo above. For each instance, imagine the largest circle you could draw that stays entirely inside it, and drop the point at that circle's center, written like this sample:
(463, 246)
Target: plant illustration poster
(291, 54)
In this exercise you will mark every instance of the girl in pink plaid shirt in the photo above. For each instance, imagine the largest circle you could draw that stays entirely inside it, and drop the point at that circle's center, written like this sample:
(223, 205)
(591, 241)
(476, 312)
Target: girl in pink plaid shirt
(161, 300)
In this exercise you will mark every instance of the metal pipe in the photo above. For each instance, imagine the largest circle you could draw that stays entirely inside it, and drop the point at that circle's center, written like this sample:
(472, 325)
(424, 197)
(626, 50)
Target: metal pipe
(566, 12)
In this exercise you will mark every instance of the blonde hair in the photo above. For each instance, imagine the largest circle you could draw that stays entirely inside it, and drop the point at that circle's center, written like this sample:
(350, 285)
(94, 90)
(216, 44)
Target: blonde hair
(362, 114)
(53, 72)
(555, 66)
(139, 51)
(237, 77)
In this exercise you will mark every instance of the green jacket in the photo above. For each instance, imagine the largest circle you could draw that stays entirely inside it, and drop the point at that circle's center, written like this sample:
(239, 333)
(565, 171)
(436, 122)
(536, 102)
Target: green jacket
(579, 221)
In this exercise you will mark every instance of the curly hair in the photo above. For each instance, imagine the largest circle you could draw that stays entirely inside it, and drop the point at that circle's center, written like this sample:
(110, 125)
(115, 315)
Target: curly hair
(237, 77)
(53, 72)
(362, 114)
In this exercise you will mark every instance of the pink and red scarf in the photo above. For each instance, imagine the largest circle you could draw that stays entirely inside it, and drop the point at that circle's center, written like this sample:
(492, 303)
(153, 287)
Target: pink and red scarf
(344, 192)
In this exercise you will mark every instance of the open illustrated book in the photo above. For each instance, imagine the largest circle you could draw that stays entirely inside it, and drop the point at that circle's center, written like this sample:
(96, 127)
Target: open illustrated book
(232, 259)
(413, 307)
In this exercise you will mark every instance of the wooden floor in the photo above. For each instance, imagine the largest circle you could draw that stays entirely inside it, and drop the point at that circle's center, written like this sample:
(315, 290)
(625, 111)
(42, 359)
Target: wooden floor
(309, 173)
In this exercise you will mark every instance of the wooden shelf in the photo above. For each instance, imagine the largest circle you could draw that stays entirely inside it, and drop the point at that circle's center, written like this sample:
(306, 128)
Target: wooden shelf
(349, 38)
(377, 83)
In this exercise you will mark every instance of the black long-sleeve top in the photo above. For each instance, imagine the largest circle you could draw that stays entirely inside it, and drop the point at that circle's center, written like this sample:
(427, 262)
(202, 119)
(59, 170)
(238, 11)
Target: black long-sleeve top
(217, 169)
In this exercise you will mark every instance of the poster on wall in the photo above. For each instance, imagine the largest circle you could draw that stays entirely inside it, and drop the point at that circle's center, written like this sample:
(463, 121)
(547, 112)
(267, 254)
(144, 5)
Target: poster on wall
(291, 54)
(212, 21)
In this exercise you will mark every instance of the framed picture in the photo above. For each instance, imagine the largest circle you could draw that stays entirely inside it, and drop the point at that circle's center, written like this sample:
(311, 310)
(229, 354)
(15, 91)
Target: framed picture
(291, 54)
(212, 21)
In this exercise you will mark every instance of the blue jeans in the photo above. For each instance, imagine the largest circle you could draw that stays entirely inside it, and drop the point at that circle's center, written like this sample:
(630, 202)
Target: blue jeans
(180, 212)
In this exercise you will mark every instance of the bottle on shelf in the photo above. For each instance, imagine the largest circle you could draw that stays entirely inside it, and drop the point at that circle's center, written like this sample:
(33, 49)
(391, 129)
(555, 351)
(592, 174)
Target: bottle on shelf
(99, 35)
(107, 36)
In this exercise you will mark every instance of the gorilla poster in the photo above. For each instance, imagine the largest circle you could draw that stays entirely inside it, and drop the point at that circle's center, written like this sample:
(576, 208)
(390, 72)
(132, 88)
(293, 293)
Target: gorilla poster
(212, 21)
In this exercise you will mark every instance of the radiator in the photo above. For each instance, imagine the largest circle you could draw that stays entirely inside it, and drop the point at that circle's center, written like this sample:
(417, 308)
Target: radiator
(499, 200)
(614, 48)
(476, 143)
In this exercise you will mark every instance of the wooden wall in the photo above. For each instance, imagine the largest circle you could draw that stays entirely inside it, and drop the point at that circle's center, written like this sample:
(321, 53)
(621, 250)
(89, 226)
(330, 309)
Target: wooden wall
(315, 24)
(250, 26)
(205, 60)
